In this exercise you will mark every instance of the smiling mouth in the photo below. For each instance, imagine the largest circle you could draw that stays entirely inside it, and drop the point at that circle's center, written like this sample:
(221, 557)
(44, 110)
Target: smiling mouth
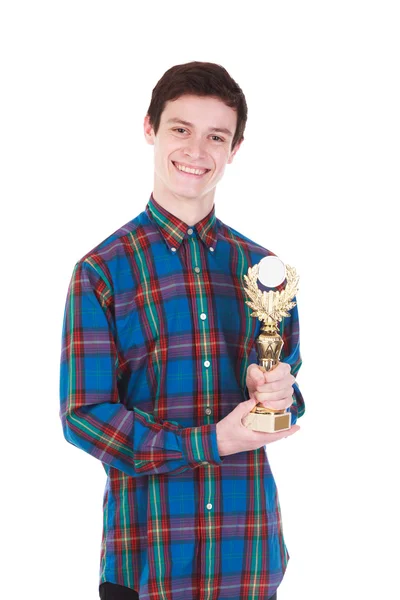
(191, 174)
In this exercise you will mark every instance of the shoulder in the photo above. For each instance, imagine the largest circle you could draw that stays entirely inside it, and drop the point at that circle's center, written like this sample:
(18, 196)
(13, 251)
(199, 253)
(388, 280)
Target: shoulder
(234, 237)
(109, 248)
(109, 255)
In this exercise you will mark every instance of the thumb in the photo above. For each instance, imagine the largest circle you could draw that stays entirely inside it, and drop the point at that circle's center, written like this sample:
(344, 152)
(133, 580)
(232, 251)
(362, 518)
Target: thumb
(245, 407)
(255, 377)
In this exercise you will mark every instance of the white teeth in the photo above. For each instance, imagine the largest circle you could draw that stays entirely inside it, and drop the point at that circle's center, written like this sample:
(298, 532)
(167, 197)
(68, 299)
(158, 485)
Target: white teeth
(187, 170)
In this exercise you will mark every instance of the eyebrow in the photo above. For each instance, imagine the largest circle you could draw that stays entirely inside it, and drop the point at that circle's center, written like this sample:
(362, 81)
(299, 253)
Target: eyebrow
(214, 129)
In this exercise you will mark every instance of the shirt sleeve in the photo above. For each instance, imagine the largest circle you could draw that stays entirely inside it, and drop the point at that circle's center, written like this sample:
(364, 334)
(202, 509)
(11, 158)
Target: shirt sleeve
(92, 414)
(290, 332)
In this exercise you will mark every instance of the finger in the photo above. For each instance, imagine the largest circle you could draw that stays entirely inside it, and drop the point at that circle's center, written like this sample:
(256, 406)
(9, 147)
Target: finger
(256, 374)
(283, 394)
(278, 404)
(275, 391)
(276, 386)
(266, 438)
(245, 407)
(279, 435)
(280, 371)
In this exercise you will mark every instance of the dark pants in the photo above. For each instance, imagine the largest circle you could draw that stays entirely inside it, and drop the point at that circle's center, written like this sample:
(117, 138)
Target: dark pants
(113, 591)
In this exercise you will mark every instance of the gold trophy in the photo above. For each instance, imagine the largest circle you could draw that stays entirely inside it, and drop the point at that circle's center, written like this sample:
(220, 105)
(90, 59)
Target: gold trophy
(269, 307)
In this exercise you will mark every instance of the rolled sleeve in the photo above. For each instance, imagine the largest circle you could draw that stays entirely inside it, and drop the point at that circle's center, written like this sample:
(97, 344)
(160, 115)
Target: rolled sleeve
(200, 445)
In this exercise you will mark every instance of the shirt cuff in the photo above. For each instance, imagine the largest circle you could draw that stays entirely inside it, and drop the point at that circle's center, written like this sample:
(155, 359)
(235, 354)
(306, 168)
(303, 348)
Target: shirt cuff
(297, 407)
(200, 445)
(293, 412)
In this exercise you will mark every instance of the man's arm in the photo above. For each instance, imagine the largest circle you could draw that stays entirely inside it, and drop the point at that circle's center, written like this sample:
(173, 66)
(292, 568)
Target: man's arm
(92, 416)
(290, 332)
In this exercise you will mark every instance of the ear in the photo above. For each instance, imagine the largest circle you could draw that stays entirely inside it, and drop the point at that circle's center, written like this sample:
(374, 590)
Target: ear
(230, 159)
(148, 131)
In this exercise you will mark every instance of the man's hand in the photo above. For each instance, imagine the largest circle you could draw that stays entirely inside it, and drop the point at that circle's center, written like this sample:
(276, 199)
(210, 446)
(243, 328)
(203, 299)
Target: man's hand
(273, 389)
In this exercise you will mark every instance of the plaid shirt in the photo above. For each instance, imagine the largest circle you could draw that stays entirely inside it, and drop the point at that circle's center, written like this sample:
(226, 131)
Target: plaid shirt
(155, 345)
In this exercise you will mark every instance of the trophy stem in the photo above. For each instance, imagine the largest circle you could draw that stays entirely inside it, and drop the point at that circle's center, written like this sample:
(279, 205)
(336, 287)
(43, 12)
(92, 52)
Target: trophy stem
(267, 363)
(268, 346)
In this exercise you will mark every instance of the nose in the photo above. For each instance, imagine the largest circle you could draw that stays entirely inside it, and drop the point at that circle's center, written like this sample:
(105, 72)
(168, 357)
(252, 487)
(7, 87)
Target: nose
(194, 148)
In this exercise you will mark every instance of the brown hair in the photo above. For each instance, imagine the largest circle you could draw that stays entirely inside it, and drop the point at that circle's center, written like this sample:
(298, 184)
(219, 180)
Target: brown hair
(199, 79)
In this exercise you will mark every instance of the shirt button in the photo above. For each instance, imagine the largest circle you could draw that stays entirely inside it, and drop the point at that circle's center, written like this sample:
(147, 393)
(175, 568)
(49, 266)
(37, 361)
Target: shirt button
(203, 316)
(209, 506)
(173, 249)
(208, 411)
(190, 231)
(211, 249)
(197, 270)
(207, 363)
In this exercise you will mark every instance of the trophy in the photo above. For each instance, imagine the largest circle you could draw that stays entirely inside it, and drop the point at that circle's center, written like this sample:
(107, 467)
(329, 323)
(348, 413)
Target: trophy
(269, 307)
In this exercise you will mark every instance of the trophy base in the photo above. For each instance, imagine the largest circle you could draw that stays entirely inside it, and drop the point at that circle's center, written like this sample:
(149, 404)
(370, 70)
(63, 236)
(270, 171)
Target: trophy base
(268, 422)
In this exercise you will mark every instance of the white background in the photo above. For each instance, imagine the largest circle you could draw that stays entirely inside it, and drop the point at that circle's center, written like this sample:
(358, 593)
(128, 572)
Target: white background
(316, 181)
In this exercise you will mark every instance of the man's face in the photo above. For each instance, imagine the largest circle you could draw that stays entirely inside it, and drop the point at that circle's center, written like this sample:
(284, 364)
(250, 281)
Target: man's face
(194, 132)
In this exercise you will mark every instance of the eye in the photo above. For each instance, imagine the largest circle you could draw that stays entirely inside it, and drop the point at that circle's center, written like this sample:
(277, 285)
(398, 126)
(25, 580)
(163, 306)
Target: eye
(179, 129)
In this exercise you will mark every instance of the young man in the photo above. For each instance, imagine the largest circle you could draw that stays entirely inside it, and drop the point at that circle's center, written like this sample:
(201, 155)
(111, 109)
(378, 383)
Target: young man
(158, 369)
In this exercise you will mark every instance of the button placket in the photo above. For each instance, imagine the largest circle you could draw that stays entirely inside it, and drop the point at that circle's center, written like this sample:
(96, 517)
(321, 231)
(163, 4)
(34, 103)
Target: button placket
(202, 306)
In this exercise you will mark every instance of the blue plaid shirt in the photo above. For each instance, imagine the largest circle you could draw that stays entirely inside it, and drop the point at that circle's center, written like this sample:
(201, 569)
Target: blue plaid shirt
(156, 342)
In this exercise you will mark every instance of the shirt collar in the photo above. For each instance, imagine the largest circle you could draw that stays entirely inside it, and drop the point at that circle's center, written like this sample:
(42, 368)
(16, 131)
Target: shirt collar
(174, 230)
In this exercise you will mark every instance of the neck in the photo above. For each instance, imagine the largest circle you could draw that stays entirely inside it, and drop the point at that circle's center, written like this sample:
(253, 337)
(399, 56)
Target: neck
(190, 210)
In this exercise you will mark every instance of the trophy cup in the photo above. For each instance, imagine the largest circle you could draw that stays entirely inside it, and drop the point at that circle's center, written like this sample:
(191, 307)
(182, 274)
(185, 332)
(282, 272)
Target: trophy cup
(269, 307)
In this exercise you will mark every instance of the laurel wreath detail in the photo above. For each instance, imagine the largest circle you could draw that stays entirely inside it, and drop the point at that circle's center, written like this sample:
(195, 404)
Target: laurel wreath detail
(282, 300)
